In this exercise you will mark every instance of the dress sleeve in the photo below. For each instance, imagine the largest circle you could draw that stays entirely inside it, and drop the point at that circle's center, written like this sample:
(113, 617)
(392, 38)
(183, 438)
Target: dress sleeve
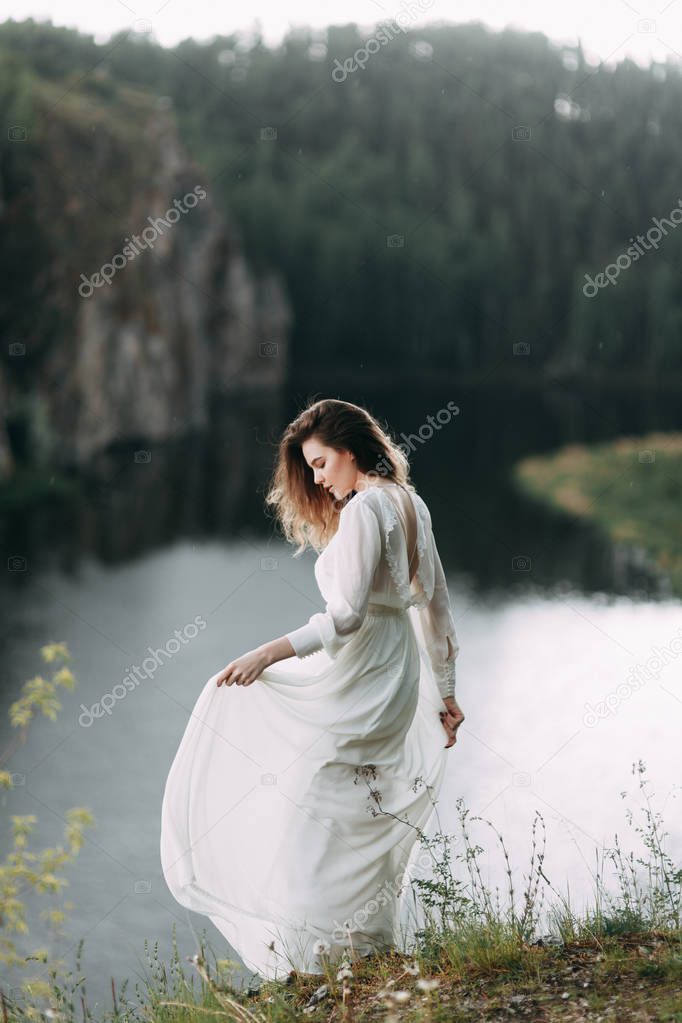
(438, 626)
(357, 553)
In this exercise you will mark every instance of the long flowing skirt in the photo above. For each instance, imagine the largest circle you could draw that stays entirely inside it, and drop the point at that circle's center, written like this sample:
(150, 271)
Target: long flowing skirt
(291, 810)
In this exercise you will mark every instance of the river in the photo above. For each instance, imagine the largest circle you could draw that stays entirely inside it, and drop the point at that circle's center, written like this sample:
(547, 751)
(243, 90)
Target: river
(566, 672)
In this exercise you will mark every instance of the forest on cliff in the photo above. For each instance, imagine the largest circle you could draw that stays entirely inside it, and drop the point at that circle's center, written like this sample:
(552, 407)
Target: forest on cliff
(439, 204)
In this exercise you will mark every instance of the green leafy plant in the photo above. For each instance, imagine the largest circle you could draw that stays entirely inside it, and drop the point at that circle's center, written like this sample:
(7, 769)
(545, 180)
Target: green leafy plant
(25, 870)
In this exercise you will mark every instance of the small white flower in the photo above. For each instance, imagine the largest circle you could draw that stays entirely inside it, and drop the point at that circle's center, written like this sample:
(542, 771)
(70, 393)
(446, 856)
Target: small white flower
(344, 973)
(400, 996)
(321, 948)
(413, 970)
(428, 985)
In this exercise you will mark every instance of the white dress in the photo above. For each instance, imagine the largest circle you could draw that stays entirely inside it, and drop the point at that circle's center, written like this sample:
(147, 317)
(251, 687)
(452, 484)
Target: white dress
(269, 826)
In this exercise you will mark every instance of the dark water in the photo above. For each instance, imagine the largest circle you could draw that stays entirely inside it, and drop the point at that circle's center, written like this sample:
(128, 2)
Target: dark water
(551, 620)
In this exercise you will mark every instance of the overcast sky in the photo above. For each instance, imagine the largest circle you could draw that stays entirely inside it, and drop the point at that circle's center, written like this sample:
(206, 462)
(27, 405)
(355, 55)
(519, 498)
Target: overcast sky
(609, 29)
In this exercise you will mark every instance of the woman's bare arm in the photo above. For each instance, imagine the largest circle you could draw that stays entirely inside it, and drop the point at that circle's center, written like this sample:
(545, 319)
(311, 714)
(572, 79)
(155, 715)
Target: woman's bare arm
(277, 650)
(245, 669)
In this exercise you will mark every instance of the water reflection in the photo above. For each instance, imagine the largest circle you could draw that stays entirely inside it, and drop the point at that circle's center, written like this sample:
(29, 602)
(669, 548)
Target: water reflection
(153, 544)
(528, 670)
(562, 697)
(142, 496)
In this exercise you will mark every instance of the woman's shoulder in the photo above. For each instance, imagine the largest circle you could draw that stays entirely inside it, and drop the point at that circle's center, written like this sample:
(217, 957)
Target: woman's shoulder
(421, 503)
(359, 498)
(377, 497)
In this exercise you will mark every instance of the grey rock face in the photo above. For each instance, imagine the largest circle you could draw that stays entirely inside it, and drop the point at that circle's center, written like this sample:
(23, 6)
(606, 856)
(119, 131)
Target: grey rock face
(182, 317)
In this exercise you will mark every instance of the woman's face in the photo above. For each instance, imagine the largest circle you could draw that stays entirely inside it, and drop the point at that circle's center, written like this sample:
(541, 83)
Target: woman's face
(332, 469)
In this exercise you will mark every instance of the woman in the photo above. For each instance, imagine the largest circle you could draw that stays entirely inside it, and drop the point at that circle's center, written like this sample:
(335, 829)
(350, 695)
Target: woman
(291, 809)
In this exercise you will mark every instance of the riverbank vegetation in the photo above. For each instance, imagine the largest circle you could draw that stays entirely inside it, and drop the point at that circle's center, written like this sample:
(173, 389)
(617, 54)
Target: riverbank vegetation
(630, 488)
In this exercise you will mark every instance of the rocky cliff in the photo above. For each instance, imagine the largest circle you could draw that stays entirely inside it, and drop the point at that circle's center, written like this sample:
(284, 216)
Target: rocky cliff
(143, 302)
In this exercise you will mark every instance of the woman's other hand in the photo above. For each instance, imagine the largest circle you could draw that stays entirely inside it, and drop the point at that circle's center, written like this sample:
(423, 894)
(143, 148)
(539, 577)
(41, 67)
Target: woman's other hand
(451, 718)
(244, 670)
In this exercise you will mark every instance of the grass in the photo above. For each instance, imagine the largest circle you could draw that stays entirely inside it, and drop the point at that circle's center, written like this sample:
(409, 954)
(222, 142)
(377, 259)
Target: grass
(474, 959)
(487, 977)
(631, 488)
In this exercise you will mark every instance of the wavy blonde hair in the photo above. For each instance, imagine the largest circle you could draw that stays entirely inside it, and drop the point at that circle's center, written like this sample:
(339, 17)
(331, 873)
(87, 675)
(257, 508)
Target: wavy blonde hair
(307, 513)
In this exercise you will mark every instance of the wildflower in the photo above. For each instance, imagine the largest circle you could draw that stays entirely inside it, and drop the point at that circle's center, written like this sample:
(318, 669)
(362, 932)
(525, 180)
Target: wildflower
(428, 985)
(321, 948)
(54, 650)
(413, 970)
(345, 973)
(400, 996)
